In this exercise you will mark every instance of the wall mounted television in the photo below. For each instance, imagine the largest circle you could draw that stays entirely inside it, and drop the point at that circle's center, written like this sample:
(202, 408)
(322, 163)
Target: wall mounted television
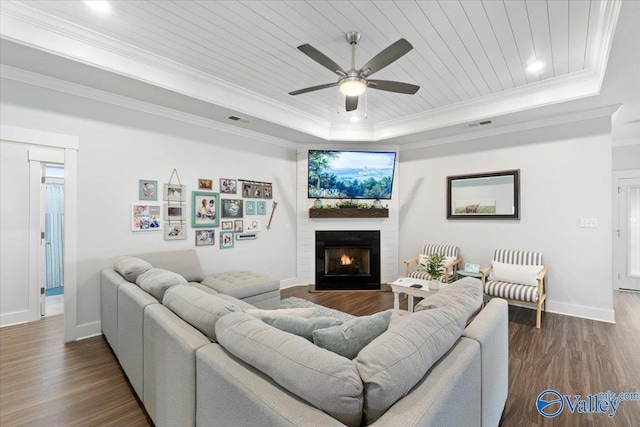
(351, 174)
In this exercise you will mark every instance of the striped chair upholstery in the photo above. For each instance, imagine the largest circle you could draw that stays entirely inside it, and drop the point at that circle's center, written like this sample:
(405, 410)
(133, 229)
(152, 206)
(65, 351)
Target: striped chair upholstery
(514, 291)
(445, 250)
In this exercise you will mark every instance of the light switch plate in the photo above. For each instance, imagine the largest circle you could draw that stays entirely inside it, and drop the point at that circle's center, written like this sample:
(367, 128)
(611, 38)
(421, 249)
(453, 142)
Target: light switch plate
(589, 222)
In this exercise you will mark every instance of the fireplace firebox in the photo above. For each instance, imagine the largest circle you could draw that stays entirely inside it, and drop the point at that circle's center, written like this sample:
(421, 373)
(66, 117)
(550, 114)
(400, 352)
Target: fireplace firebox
(347, 260)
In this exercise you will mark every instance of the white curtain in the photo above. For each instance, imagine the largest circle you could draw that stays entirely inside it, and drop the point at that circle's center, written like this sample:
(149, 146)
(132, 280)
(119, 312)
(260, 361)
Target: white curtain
(53, 219)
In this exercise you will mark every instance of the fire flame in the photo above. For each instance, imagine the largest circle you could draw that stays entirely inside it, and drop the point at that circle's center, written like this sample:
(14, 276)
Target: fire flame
(346, 259)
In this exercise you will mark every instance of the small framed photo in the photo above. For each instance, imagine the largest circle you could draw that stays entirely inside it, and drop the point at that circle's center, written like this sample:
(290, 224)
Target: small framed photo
(228, 186)
(247, 190)
(205, 209)
(257, 190)
(147, 189)
(145, 218)
(174, 193)
(250, 207)
(232, 208)
(226, 239)
(238, 226)
(261, 207)
(205, 184)
(174, 212)
(471, 268)
(253, 225)
(227, 225)
(175, 230)
(267, 191)
(205, 237)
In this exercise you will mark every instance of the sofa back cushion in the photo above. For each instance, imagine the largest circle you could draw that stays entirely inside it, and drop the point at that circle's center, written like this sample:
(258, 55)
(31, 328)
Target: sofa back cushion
(464, 294)
(322, 378)
(392, 364)
(156, 281)
(186, 263)
(131, 267)
(198, 308)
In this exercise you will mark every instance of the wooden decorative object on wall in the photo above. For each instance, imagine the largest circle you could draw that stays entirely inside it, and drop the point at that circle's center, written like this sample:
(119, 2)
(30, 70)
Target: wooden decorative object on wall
(348, 213)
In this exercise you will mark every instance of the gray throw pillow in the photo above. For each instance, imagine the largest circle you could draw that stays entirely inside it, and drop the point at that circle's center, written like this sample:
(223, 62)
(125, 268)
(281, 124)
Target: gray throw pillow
(300, 326)
(156, 281)
(352, 336)
(131, 267)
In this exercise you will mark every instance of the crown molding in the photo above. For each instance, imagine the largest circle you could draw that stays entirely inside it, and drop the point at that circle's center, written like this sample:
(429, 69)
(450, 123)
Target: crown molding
(75, 89)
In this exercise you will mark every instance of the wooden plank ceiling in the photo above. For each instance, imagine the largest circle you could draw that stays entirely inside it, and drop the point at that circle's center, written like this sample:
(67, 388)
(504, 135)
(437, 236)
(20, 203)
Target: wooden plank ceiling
(462, 49)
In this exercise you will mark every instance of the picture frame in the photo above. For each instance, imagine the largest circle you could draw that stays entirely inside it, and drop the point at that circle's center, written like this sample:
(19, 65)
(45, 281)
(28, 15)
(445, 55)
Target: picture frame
(471, 268)
(205, 209)
(232, 208)
(250, 207)
(174, 193)
(227, 225)
(147, 189)
(489, 195)
(247, 190)
(226, 239)
(205, 184)
(257, 190)
(228, 186)
(261, 207)
(175, 230)
(238, 226)
(267, 191)
(253, 225)
(145, 217)
(174, 212)
(205, 237)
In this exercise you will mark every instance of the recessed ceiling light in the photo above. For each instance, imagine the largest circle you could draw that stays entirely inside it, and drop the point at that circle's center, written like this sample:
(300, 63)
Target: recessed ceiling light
(535, 65)
(101, 6)
(355, 119)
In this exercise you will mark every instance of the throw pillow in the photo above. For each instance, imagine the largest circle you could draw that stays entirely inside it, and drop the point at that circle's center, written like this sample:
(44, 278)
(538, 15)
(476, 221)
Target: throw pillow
(514, 273)
(156, 281)
(131, 267)
(352, 336)
(301, 326)
(397, 360)
(306, 312)
(198, 308)
(324, 379)
(464, 295)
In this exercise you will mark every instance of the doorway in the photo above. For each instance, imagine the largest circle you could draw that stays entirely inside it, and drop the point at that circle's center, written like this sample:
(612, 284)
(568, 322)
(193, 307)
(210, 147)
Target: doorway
(53, 226)
(627, 232)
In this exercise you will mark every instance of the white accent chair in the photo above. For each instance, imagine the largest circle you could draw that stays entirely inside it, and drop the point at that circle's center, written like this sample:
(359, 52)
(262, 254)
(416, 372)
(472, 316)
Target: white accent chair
(509, 290)
(451, 270)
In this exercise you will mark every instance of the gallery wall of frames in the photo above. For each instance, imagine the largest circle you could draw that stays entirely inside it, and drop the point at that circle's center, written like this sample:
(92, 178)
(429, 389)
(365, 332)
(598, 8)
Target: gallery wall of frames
(220, 212)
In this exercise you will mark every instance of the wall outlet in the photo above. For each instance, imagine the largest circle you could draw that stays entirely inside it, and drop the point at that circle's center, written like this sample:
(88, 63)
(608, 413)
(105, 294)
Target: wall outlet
(589, 222)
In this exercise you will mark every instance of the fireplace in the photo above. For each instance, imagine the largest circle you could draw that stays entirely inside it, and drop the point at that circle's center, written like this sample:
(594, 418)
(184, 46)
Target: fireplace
(347, 260)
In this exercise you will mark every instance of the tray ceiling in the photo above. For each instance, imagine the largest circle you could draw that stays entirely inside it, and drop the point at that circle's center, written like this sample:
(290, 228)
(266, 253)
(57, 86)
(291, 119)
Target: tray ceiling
(470, 57)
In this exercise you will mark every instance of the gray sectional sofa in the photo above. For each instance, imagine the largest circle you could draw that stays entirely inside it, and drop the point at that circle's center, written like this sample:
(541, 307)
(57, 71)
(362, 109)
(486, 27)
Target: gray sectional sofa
(194, 356)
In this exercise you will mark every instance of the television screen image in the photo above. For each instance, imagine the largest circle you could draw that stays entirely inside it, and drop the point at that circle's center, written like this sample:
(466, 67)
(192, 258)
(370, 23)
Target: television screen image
(351, 174)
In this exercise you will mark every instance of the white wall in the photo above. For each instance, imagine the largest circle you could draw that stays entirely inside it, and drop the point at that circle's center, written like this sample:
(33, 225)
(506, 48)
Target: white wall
(626, 157)
(118, 146)
(565, 174)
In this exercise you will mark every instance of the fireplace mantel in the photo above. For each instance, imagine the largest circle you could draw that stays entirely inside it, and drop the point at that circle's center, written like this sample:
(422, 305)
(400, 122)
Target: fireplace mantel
(348, 213)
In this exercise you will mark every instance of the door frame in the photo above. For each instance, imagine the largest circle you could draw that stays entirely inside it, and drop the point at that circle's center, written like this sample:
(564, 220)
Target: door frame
(70, 144)
(617, 259)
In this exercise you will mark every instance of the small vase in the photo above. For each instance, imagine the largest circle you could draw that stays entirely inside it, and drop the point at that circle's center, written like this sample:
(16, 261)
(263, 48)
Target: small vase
(377, 204)
(317, 204)
(434, 285)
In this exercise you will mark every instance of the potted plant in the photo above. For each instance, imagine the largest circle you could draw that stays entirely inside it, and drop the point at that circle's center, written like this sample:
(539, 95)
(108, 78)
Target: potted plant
(435, 268)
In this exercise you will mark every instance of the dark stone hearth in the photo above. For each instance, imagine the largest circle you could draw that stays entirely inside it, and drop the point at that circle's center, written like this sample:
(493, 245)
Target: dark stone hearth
(347, 260)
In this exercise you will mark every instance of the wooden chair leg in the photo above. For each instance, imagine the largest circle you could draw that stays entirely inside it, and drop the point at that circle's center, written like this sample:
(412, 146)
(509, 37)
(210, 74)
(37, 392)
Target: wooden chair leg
(539, 315)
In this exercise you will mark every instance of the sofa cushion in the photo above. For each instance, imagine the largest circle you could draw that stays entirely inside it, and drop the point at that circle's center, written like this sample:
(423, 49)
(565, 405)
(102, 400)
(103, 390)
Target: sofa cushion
(156, 281)
(131, 267)
(301, 326)
(464, 294)
(242, 304)
(305, 312)
(353, 335)
(395, 361)
(241, 284)
(198, 308)
(514, 273)
(185, 262)
(322, 378)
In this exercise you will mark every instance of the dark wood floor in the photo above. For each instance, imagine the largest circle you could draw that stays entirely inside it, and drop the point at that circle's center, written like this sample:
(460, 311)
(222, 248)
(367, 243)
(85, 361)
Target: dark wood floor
(44, 382)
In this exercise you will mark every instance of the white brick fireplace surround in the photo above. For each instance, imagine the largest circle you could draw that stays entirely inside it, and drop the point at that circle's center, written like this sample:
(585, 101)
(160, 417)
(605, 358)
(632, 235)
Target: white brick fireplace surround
(306, 227)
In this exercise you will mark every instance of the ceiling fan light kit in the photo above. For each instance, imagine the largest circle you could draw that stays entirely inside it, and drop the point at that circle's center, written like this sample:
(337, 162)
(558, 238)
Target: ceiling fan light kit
(354, 83)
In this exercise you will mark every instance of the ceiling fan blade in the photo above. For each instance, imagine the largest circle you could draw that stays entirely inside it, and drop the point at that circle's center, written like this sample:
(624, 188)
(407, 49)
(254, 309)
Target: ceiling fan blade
(386, 57)
(321, 59)
(312, 88)
(352, 103)
(392, 86)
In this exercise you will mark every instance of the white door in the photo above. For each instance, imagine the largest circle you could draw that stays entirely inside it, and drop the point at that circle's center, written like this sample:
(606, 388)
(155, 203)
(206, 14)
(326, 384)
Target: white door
(627, 244)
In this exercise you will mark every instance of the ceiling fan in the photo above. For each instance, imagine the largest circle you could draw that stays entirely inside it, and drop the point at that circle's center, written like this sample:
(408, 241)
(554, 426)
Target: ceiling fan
(354, 82)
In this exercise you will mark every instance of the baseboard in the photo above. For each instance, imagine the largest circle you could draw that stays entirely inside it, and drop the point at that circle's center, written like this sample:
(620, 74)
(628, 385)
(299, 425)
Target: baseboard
(88, 330)
(575, 310)
(290, 283)
(14, 318)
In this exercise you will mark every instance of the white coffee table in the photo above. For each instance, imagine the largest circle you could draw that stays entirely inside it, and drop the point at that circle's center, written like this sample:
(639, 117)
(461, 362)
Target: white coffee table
(402, 285)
